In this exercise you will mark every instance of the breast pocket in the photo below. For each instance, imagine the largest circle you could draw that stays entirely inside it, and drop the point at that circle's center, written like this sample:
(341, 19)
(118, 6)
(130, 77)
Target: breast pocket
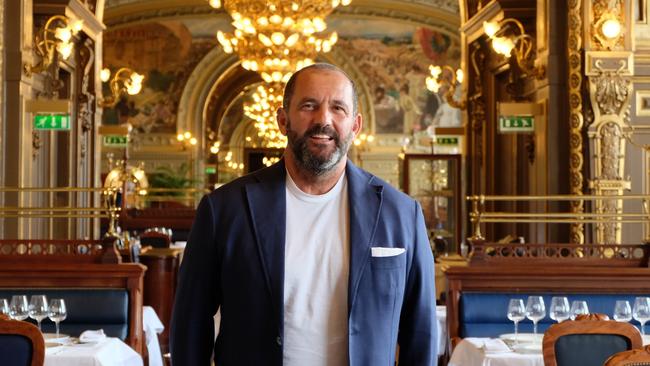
(394, 261)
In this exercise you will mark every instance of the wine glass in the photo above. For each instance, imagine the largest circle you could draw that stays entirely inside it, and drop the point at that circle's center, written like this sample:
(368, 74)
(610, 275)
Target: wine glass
(18, 307)
(4, 307)
(38, 308)
(516, 312)
(535, 310)
(560, 310)
(622, 311)
(578, 307)
(641, 311)
(57, 313)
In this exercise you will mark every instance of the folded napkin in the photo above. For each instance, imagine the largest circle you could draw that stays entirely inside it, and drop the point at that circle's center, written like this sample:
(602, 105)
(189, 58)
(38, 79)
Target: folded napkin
(490, 345)
(92, 336)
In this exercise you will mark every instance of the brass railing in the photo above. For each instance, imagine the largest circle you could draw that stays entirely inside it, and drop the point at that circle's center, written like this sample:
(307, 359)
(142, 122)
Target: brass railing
(479, 215)
(187, 196)
(109, 208)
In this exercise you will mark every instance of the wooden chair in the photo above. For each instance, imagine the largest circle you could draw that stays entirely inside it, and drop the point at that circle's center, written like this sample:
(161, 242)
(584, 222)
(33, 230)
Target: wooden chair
(21, 343)
(588, 340)
(634, 357)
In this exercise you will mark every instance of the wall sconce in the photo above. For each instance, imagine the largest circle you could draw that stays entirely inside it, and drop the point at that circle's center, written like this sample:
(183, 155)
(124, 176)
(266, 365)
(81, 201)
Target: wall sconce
(608, 29)
(125, 81)
(523, 46)
(438, 79)
(55, 35)
(214, 149)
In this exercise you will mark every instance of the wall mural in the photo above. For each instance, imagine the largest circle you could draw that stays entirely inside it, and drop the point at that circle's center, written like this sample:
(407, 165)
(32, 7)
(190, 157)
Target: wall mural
(165, 53)
(395, 58)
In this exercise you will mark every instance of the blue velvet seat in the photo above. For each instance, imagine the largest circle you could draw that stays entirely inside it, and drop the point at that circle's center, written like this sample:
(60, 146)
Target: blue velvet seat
(21, 344)
(483, 314)
(106, 309)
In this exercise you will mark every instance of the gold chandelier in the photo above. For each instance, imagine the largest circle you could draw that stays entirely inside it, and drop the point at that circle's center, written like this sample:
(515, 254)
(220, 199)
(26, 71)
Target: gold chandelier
(277, 37)
(262, 109)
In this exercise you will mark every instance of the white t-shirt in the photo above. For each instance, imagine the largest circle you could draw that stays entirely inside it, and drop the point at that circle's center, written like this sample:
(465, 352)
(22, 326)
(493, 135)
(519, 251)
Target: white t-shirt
(316, 272)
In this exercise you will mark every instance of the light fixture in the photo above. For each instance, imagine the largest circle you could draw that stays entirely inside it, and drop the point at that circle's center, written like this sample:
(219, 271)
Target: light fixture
(55, 36)
(262, 110)
(276, 37)
(270, 160)
(214, 149)
(521, 43)
(186, 139)
(446, 76)
(608, 29)
(125, 81)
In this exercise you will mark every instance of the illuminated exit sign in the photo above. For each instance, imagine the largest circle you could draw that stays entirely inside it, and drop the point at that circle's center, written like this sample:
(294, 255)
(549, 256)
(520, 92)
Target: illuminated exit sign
(60, 122)
(116, 141)
(516, 124)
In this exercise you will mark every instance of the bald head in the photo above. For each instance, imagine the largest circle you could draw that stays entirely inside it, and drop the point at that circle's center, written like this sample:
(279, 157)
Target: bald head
(291, 85)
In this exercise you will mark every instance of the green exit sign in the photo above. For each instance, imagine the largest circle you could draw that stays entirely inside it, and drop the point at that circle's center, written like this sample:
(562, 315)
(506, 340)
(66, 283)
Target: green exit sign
(210, 170)
(52, 122)
(524, 123)
(116, 141)
(447, 141)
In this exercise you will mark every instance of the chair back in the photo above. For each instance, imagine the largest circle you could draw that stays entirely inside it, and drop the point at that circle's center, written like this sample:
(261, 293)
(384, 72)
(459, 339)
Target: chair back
(588, 340)
(21, 343)
(633, 357)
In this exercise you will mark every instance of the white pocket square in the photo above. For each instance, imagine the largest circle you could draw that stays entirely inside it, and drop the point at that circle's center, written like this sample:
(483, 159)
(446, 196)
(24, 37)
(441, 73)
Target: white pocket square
(386, 252)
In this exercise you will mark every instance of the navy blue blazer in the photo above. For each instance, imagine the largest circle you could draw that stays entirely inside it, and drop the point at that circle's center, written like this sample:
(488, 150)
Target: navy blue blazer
(234, 260)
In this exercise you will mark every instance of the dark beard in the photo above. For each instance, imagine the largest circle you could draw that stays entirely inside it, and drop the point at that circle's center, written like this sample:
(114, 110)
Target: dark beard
(317, 164)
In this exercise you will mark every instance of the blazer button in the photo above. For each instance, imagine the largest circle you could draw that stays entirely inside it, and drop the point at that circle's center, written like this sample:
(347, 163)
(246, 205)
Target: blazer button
(278, 340)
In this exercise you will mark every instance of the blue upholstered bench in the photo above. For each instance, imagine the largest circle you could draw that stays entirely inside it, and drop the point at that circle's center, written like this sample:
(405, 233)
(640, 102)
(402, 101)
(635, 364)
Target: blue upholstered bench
(484, 314)
(92, 308)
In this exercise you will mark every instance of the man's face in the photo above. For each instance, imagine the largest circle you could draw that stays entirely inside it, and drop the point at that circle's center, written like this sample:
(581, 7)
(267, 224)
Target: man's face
(320, 124)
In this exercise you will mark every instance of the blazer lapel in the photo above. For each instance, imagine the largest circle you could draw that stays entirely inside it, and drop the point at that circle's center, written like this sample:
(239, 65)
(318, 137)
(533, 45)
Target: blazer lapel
(365, 201)
(267, 203)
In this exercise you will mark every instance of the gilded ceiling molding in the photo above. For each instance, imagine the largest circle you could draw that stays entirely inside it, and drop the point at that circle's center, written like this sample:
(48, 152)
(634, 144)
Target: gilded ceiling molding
(422, 13)
(576, 118)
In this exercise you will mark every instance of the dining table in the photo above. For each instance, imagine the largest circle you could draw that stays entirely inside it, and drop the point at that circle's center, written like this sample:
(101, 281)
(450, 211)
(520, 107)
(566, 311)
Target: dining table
(503, 351)
(107, 352)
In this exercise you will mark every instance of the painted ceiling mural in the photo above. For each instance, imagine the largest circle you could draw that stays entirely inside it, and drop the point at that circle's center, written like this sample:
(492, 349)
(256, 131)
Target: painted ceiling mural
(392, 55)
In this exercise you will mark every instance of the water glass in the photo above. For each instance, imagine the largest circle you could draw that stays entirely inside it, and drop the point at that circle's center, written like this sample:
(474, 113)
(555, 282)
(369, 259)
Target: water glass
(535, 310)
(641, 311)
(622, 311)
(516, 312)
(38, 308)
(18, 307)
(560, 310)
(57, 313)
(578, 307)
(4, 307)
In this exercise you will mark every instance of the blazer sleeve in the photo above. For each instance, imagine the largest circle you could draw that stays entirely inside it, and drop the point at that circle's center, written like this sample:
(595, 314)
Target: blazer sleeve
(417, 336)
(197, 295)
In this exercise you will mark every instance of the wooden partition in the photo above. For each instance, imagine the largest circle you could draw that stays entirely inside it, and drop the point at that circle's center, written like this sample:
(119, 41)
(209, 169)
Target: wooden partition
(548, 269)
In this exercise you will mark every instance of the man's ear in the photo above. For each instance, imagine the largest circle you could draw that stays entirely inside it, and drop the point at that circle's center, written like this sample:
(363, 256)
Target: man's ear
(281, 117)
(358, 124)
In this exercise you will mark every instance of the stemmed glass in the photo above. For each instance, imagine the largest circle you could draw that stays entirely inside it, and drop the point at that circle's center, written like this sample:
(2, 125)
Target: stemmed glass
(38, 308)
(57, 313)
(18, 307)
(641, 311)
(622, 311)
(516, 312)
(559, 310)
(578, 307)
(535, 310)
(4, 307)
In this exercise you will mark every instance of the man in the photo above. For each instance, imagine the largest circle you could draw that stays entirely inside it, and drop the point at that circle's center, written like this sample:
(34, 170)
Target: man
(311, 261)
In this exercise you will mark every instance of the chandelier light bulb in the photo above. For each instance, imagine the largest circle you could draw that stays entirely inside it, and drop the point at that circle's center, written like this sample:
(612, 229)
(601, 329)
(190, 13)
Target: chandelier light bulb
(345, 2)
(179, 137)
(187, 135)
(105, 74)
(193, 141)
(292, 39)
(263, 21)
(266, 41)
(76, 26)
(335, 3)
(288, 22)
(215, 4)
(460, 76)
(611, 28)
(276, 19)
(491, 28)
(63, 34)
(277, 38)
(65, 49)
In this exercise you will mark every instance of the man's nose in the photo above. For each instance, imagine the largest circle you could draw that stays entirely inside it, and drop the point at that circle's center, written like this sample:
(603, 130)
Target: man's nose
(323, 116)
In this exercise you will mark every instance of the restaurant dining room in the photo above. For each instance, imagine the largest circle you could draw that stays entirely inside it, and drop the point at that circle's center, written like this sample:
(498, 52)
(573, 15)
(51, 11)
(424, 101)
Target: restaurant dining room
(489, 161)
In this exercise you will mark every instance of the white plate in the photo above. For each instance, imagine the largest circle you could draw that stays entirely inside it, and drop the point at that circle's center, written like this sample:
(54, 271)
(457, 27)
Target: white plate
(527, 348)
(52, 338)
(523, 337)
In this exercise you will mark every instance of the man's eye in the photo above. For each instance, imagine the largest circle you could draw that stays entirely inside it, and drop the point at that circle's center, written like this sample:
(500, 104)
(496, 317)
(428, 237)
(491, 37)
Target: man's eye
(308, 106)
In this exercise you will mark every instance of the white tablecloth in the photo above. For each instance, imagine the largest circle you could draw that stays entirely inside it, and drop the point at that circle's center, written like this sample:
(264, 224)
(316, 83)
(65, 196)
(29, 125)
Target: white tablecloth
(152, 327)
(441, 314)
(111, 351)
